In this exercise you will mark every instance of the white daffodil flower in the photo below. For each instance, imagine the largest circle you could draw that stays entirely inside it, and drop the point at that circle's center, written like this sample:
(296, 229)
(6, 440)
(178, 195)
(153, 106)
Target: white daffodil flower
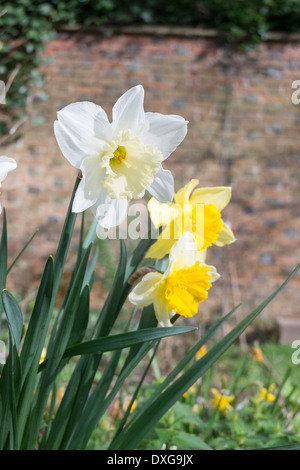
(7, 164)
(119, 160)
(182, 287)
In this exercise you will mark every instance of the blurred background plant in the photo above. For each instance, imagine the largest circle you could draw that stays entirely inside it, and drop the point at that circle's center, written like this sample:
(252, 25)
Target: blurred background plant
(261, 409)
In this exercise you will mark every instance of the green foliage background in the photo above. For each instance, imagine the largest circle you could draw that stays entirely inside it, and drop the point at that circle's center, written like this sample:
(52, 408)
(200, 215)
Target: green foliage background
(26, 25)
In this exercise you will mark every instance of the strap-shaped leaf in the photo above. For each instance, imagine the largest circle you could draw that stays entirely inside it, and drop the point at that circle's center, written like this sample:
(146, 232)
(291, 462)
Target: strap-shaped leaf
(3, 260)
(122, 340)
(81, 318)
(21, 252)
(14, 316)
(39, 321)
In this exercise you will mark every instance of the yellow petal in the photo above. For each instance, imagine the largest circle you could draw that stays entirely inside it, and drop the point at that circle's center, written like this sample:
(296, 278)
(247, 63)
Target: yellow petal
(270, 397)
(225, 237)
(162, 213)
(164, 243)
(263, 393)
(218, 195)
(182, 196)
(201, 352)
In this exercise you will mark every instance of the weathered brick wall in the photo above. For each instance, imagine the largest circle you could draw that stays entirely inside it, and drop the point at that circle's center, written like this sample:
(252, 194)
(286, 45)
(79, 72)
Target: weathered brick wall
(243, 132)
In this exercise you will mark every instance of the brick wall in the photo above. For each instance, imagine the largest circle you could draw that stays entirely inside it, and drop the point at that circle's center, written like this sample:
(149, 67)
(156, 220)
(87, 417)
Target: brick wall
(243, 132)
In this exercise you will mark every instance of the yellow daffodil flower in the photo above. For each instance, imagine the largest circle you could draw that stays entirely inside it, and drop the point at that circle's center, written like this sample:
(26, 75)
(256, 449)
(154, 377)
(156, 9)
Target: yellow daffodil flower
(266, 393)
(183, 285)
(222, 402)
(118, 160)
(194, 210)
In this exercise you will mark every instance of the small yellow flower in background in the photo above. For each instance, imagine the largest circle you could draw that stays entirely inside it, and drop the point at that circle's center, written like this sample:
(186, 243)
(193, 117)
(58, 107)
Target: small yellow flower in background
(266, 393)
(60, 393)
(222, 402)
(257, 354)
(195, 210)
(133, 406)
(181, 288)
(118, 409)
(192, 389)
(43, 355)
(201, 352)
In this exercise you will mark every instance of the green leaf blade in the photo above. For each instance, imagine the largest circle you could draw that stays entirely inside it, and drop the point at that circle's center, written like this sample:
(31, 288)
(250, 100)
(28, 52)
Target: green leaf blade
(14, 316)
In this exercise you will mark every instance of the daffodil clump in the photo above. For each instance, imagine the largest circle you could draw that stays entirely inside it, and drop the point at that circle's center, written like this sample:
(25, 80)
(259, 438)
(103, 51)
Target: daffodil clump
(119, 161)
(46, 405)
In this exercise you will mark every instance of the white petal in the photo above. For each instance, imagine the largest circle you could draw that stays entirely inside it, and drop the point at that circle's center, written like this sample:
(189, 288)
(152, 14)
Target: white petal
(6, 164)
(183, 253)
(93, 175)
(110, 212)
(145, 292)
(214, 274)
(128, 111)
(165, 132)
(162, 313)
(80, 130)
(81, 201)
(162, 187)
